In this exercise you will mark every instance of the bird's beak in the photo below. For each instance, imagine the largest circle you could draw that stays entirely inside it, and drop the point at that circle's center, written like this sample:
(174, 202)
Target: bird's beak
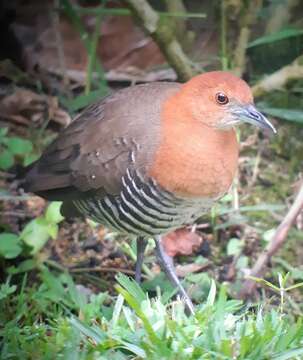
(249, 114)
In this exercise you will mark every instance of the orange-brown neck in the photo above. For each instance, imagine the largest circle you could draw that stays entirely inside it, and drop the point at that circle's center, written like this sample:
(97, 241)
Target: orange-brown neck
(193, 159)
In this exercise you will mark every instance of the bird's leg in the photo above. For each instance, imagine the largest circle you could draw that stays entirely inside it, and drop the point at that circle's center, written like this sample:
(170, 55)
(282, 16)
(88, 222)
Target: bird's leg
(167, 264)
(141, 245)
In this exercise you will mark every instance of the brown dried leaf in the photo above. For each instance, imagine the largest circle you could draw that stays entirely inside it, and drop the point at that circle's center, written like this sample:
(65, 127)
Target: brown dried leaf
(122, 44)
(183, 270)
(25, 106)
(181, 242)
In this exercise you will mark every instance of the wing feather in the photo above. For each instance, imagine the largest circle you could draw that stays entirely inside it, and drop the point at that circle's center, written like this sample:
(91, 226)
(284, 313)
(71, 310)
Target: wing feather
(92, 154)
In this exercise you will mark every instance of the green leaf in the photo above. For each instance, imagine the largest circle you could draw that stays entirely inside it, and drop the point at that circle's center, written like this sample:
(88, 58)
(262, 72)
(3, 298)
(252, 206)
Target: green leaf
(6, 159)
(97, 334)
(280, 35)
(285, 114)
(131, 286)
(267, 235)
(82, 101)
(10, 245)
(212, 293)
(234, 246)
(125, 12)
(30, 158)
(289, 354)
(52, 230)
(242, 262)
(24, 266)
(53, 214)
(3, 132)
(6, 290)
(19, 146)
(36, 234)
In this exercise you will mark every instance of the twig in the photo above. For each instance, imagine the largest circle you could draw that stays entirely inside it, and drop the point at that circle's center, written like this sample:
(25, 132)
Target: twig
(280, 15)
(177, 6)
(102, 269)
(223, 33)
(279, 78)
(18, 197)
(18, 214)
(248, 18)
(275, 244)
(59, 45)
(79, 270)
(137, 75)
(92, 54)
(255, 169)
(6, 175)
(164, 36)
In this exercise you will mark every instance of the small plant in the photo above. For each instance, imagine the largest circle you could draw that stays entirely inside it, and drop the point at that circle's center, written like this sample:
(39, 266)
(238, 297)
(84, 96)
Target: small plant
(13, 148)
(34, 235)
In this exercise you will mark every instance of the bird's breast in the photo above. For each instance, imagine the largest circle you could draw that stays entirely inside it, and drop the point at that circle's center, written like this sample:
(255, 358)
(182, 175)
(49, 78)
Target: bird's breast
(195, 161)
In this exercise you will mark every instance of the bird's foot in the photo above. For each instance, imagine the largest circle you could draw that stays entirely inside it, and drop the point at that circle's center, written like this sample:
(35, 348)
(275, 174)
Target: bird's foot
(167, 264)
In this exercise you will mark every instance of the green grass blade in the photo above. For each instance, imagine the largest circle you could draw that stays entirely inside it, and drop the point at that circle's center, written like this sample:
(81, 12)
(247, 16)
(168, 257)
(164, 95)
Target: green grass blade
(280, 35)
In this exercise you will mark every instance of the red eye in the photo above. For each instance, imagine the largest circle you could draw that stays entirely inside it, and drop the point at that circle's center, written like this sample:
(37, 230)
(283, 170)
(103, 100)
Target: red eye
(221, 98)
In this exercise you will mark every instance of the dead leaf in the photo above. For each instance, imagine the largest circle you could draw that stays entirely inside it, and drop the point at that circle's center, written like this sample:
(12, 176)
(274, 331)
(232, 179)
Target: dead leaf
(122, 44)
(25, 106)
(181, 242)
(183, 270)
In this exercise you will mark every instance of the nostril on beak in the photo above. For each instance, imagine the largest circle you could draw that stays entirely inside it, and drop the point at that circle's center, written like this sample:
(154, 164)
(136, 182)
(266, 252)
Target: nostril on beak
(254, 115)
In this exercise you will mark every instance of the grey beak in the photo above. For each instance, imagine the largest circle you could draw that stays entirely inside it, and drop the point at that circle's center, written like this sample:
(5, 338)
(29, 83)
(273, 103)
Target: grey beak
(251, 115)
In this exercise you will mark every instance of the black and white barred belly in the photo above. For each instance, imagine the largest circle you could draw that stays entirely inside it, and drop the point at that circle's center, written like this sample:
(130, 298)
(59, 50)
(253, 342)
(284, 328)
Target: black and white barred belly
(142, 208)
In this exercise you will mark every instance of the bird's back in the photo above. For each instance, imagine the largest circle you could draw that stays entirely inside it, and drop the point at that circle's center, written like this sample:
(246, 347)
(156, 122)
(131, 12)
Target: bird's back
(92, 154)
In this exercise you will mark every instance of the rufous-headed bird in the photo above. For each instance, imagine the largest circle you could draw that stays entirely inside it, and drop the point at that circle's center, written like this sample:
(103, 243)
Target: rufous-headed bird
(150, 158)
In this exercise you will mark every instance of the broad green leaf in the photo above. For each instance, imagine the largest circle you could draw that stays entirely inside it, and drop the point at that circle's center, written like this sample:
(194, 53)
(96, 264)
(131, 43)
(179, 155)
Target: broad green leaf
(234, 246)
(242, 262)
(53, 214)
(30, 158)
(19, 146)
(52, 230)
(6, 159)
(36, 234)
(22, 267)
(10, 245)
(3, 132)
(281, 35)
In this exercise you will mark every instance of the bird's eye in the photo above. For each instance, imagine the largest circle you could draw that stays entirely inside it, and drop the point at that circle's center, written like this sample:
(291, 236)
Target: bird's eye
(221, 98)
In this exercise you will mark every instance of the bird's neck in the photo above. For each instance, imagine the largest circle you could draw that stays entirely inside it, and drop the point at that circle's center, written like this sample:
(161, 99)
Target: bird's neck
(194, 160)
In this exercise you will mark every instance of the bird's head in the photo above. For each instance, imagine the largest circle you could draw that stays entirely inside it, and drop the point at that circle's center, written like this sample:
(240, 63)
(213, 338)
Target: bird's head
(221, 100)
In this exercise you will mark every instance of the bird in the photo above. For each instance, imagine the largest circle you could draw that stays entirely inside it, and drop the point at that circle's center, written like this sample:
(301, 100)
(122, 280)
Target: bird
(150, 158)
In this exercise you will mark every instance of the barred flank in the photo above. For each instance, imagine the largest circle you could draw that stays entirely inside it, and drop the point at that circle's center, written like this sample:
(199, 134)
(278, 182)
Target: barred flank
(142, 208)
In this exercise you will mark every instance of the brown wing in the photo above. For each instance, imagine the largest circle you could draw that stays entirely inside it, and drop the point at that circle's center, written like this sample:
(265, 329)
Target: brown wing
(92, 154)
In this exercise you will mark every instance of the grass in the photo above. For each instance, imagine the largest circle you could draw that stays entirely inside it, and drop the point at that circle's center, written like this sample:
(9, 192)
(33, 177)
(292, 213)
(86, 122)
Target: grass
(54, 319)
